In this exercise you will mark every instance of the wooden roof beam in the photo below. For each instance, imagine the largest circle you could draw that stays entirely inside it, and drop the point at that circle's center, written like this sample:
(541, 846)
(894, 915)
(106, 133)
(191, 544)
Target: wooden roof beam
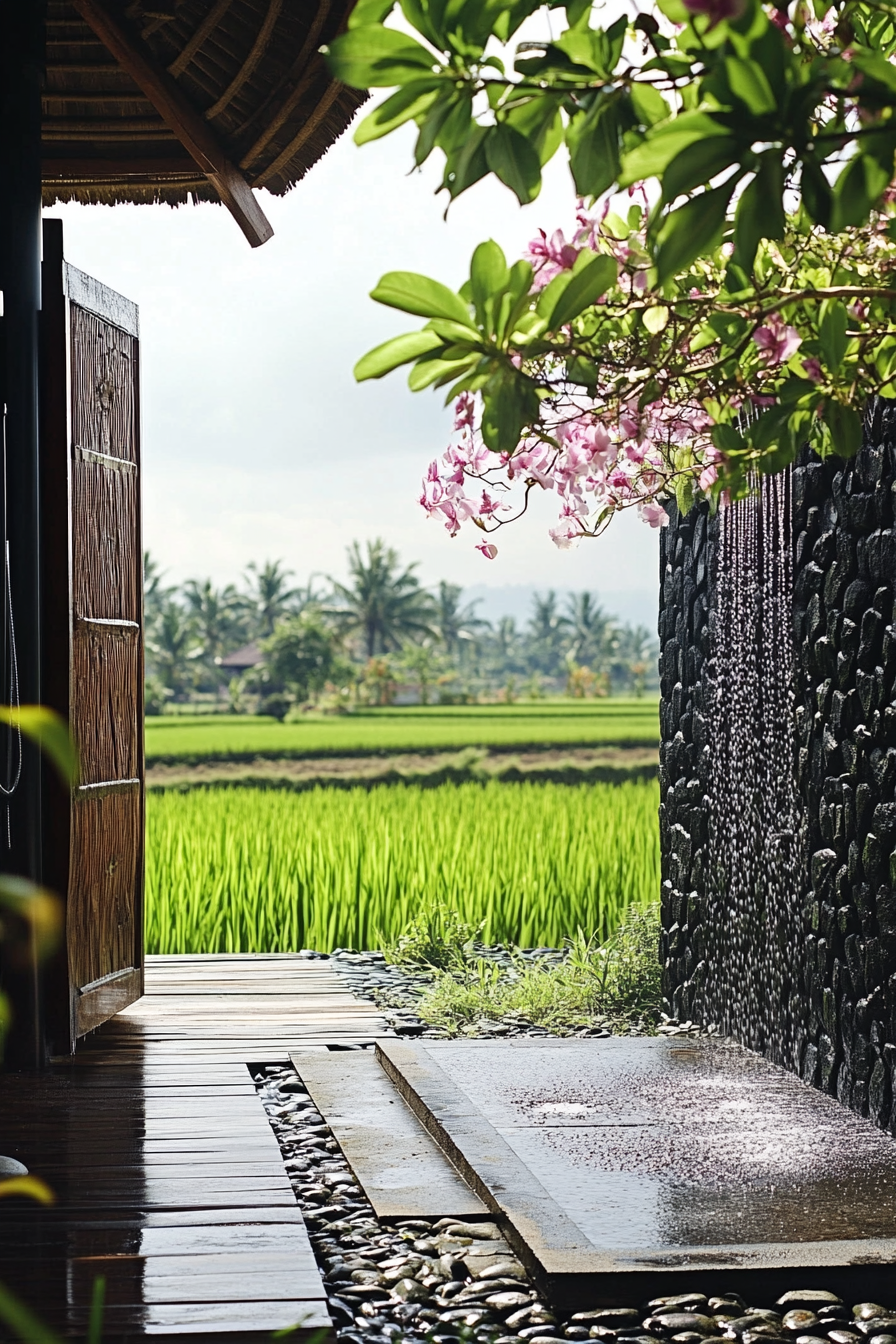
(178, 113)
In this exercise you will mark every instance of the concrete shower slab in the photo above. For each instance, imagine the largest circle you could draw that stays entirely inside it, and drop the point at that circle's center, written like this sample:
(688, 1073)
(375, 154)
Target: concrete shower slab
(626, 1168)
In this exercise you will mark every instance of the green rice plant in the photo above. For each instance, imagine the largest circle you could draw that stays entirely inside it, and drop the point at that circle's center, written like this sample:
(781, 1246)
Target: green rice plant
(258, 870)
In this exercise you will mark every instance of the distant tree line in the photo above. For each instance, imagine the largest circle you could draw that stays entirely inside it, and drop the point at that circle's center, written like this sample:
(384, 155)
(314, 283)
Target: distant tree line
(270, 645)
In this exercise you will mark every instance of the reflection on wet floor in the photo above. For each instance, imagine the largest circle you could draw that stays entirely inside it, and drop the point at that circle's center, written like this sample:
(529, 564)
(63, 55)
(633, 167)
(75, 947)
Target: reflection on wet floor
(653, 1146)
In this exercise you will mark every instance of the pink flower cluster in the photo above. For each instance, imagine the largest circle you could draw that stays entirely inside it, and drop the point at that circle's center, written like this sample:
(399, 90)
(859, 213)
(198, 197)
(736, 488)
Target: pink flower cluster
(596, 455)
(777, 340)
(596, 469)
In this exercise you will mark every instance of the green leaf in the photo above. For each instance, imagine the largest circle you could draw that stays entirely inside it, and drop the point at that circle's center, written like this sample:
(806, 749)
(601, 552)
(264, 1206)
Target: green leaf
(539, 120)
(513, 160)
(760, 210)
(832, 333)
(675, 10)
(655, 319)
(23, 1322)
(404, 105)
(392, 354)
(874, 64)
(369, 12)
(428, 371)
(649, 104)
(691, 230)
(846, 428)
(582, 371)
(510, 402)
(588, 283)
(413, 293)
(488, 276)
(42, 910)
(857, 190)
(467, 164)
(593, 141)
(748, 82)
(727, 439)
(50, 731)
(661, 145)
(816, 193)
(372, 57)
(696, 165)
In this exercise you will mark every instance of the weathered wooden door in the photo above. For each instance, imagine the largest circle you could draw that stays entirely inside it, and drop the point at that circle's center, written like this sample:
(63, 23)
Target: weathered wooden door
(93, 647)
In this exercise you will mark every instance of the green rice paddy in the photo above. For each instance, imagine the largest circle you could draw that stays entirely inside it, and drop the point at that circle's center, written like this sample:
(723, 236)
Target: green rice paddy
(254, 870)
(192, 740)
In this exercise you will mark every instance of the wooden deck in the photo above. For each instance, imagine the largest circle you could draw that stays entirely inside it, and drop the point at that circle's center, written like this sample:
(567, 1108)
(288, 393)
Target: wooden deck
(169, 1181)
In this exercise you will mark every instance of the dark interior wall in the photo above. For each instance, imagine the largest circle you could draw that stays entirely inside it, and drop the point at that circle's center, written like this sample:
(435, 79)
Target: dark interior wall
(840, 1009)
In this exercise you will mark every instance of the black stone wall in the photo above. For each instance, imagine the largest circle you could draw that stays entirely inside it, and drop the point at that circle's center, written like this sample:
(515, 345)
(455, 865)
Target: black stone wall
(687, 562)
(843, 994)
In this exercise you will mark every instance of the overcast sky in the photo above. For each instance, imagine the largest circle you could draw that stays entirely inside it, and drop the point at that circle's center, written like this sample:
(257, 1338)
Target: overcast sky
(257, 443)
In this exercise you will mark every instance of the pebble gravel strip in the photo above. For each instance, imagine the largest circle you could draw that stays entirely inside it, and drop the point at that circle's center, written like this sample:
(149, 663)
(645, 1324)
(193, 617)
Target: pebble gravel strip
(450, 1282)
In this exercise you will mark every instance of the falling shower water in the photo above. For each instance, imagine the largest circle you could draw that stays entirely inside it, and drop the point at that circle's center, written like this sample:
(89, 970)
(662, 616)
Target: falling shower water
(755, 862)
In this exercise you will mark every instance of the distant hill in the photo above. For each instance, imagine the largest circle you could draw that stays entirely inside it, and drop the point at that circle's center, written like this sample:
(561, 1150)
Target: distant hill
(631, 606)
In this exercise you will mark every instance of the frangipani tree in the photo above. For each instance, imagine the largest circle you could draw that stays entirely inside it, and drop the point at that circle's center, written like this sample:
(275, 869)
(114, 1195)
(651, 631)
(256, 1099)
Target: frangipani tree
(739, 305)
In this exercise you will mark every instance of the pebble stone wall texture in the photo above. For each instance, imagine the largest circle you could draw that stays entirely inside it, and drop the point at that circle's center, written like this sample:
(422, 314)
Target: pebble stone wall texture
(842, 1009)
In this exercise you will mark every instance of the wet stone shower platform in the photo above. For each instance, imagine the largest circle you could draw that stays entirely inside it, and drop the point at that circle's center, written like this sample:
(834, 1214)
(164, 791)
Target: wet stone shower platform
(625, 1169)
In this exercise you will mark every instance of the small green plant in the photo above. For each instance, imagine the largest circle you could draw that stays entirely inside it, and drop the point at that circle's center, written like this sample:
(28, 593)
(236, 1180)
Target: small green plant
(436, 936)
(613, 983)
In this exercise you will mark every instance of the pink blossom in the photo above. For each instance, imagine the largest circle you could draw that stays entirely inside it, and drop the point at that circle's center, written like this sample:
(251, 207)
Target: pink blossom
(708, 477)
(812, 369)
(565, 534)
(637, 453)
(777, 341)
(650, 511)
(463, 411)
(488, 549)
(857, 310)
(620, 480)
(717, 10)
(550, 256)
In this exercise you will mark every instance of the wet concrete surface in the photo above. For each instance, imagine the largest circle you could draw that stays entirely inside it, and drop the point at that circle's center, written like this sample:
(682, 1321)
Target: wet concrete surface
(629, 1153)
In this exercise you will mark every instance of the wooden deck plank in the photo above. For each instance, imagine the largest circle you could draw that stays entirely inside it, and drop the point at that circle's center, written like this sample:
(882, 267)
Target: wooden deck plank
(168, 1177)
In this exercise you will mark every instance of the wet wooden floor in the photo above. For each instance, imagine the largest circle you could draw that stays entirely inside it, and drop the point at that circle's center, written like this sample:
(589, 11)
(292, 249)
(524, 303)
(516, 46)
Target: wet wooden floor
(168, 1179)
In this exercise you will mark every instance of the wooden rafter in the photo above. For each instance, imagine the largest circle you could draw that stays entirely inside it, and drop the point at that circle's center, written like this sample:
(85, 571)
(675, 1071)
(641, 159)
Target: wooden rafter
(248, 67)
(178, 113)
(206, 27)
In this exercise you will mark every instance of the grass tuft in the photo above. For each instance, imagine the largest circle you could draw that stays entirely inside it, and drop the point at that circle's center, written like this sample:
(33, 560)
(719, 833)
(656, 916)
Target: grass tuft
(614, 984)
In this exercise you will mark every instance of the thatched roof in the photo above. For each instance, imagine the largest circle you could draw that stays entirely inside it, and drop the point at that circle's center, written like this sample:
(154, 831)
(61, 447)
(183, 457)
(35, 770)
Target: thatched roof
(168, 100)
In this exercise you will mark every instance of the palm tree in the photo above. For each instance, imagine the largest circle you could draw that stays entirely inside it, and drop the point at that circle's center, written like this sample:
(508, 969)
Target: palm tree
(270, 595)
(218, 616)
(154, 595)
(457, 625)
(173, 646)
(383, 604)
(547, 626)
(635, 655)
(590, 630)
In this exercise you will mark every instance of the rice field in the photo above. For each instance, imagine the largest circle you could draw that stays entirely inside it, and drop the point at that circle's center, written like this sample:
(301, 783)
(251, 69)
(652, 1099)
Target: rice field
(192, 740)
(256, 870)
